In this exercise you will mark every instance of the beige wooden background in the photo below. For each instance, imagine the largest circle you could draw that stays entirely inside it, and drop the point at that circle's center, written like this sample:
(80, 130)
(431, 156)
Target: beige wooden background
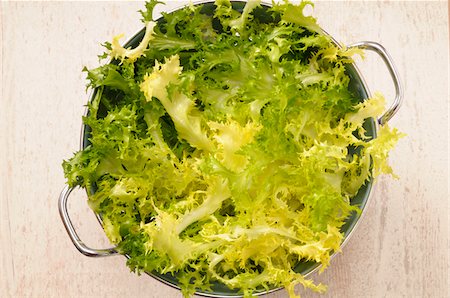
(401, 248)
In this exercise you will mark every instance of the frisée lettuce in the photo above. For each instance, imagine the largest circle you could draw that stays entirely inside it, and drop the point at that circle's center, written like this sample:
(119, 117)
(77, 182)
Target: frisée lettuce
(227, 146)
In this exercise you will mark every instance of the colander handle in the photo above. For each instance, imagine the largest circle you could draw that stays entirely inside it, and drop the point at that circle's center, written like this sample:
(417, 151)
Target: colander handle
(85, 250)
(381, 51)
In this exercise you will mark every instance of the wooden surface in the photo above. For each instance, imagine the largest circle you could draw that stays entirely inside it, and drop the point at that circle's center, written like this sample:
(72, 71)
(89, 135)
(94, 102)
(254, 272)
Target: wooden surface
(401, 248)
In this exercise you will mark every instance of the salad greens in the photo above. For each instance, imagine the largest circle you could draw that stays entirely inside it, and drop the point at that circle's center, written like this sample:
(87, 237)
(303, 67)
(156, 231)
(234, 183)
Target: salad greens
(227, 148)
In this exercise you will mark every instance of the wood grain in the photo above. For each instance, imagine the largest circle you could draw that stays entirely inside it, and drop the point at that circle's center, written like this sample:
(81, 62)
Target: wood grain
(401, 247)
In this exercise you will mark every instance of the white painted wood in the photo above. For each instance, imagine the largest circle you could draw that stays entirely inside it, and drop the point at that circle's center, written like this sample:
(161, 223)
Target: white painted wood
(401, 248)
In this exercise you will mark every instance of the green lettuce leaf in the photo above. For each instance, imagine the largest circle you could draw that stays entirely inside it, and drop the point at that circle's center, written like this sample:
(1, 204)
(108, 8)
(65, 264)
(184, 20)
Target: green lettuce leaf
(228, 147)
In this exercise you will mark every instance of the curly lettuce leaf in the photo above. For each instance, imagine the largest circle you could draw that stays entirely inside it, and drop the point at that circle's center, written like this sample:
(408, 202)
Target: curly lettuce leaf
(226, 148)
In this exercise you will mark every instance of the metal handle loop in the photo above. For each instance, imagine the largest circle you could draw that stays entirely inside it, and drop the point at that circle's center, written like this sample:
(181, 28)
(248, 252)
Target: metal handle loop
(85, 250)
(381, 51)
